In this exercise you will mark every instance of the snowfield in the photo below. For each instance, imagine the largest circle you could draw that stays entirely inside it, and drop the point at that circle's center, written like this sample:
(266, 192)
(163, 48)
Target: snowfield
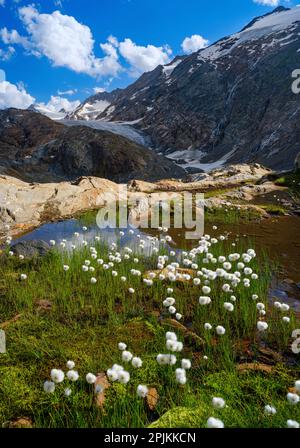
(123, 129)
(273, 23)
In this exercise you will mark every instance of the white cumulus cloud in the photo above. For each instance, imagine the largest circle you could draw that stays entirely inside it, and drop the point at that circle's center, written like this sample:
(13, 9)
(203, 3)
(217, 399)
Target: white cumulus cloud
(67, 92)
(144, 59)
(194, 43)
(68, 43)
(64, 41)
(58, 103)
(267, 2)
(12, 95)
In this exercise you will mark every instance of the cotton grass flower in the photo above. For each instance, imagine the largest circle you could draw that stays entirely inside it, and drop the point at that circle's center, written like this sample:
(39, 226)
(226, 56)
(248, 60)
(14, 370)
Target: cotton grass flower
(67, 392)
(297, 385)
(122, 346)
(260, 306)
(124, 377)
(142, 391)
(172, 310)
(49, 387)
(204, 300)
(126, 356)
(23, 277)
(57, 375)
(166, 359)
(70, 365)
(112, 375)
(171, 335)
(93, 280)
(186, 364)
(220, 330)
(293, 398)
(72, 375)
(180, 375)
(207, 326)
(136, 362)
(214, 423)
(218, 403)
(90, 378)
(262, 326)
(169, 301)
(270, 410)
(292, 424)
(228, 306)
(206, 290)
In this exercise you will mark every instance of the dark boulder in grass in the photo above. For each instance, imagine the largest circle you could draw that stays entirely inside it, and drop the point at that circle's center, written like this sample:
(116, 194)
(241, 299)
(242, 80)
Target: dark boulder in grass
(31, 249)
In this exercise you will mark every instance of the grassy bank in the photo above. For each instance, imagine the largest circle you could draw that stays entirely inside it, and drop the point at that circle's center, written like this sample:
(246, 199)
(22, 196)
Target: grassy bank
(56, 315)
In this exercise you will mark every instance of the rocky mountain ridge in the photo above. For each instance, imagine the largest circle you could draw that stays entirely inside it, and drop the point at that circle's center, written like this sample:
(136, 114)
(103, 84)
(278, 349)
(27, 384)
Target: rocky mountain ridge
(231, 102)
(36, 149)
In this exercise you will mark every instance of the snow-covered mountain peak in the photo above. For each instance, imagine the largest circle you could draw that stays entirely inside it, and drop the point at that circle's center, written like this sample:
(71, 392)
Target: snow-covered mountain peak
(275, 24)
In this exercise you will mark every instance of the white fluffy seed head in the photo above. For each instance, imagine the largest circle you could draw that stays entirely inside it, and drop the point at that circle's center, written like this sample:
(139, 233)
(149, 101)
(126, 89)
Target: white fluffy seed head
(49, 387)
(126, 356)
(270, 410)
(70, 364)
(57, 375)
(262, 326)
(292, 424)
(122, 346)
(218, 402)
(293, 398)
(186, 364)
(136, 362)
(142, 391)
(90, 378)
(213, 422)
(72, 375)
(220, 330)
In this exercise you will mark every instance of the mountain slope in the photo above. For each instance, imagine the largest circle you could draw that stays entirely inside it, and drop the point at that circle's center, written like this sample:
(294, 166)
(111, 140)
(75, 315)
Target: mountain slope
(94, 106)
(231, 101)
(37, 149)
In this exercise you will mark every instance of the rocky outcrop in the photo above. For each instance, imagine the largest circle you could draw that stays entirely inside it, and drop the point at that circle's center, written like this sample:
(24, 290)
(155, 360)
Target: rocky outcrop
(37, 149)
(24, 206)
(229, 177)
(31, 249)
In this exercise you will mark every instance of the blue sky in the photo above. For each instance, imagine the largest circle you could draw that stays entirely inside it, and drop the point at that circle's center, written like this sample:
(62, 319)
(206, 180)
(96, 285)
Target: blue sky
(46, 53)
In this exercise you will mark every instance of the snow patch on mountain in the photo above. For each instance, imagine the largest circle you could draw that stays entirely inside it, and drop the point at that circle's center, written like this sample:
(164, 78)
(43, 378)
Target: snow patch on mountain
(90, 111)
(47, 112)
(192, 159)
(169, 68)
(124, 129)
